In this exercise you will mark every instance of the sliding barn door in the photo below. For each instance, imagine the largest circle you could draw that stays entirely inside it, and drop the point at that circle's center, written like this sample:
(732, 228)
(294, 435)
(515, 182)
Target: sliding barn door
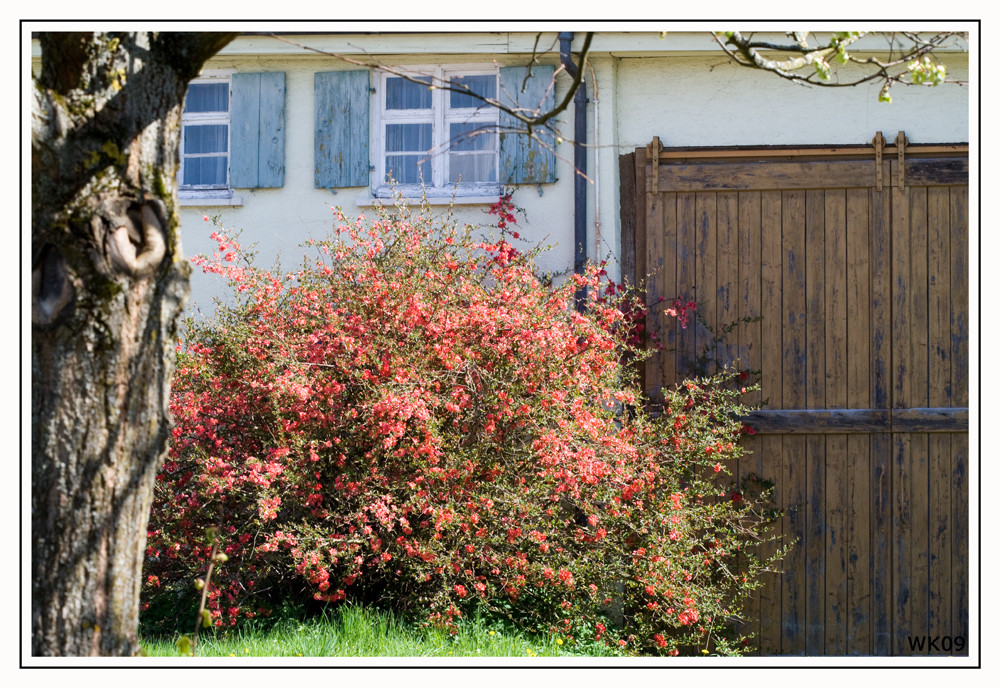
(839, 276)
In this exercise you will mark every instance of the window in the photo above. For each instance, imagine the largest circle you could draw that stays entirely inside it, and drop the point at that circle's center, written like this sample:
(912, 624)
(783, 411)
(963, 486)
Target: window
(232, 136)
(205, 136)
(434, 137)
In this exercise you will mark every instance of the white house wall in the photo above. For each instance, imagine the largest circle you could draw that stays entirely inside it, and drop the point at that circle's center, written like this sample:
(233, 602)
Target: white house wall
(707, 101)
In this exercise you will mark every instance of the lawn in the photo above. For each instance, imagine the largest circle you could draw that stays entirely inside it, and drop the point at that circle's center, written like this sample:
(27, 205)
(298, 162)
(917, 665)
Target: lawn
(352, 631)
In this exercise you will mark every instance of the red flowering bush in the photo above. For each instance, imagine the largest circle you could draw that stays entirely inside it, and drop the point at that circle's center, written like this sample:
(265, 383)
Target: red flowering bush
(412, 418)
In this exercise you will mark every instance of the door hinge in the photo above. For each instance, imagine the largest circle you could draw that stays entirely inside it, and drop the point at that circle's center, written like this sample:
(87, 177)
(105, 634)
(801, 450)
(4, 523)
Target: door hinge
(653, 156)
(901, 143)
(879, 143)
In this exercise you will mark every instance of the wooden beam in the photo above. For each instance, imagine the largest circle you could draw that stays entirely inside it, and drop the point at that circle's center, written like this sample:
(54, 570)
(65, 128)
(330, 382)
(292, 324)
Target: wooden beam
(790, 152)
(841, 421)
(764, 175)
(626, 190)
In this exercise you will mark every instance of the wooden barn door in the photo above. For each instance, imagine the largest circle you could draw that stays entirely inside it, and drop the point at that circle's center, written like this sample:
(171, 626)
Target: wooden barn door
(844, 271)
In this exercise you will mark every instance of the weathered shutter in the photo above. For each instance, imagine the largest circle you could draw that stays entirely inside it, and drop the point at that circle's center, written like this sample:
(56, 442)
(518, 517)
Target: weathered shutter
(341, 143)
(257, 139)
(525, 160)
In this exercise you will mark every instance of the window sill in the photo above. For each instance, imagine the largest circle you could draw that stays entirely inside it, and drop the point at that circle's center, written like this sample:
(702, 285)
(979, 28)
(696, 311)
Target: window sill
(479, 199)
(188, 199)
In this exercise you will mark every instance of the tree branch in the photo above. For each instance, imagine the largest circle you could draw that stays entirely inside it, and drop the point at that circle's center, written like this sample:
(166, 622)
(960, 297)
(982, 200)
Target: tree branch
(63, 53)
(529, 121)
(912, 67)
(186, 52)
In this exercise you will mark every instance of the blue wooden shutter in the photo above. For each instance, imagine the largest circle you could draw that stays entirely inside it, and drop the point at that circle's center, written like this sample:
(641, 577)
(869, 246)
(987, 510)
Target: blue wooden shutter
(522, 159)
(257, 139)
(341, 144)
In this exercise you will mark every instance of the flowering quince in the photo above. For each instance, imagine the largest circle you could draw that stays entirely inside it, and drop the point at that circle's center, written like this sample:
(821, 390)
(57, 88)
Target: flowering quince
(415, 411)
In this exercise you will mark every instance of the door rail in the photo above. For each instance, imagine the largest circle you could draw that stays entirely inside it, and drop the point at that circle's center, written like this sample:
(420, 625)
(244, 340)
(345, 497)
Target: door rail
(850, 421)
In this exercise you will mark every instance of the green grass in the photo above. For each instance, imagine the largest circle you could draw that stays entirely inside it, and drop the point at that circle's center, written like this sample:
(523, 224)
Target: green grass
(352, 631)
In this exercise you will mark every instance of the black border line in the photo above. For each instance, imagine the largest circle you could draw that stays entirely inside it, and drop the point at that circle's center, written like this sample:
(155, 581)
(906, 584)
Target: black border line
(512, 24)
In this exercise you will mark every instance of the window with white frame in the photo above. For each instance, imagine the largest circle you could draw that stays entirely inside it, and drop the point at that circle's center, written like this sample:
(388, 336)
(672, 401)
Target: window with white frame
(440, 139)
(205, 127)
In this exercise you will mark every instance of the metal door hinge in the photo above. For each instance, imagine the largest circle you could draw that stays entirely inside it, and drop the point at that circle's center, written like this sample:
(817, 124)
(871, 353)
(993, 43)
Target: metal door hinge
(879, 143)
(653, 157)
(901, 143)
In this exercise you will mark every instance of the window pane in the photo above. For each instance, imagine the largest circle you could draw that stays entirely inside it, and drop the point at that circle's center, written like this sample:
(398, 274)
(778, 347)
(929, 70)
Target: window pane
(407, 169)
(470, 168)
(484, 85)
(206, 138)
(472, 136)
(207, 97)
(205, 171)
(402, 94)
(408, 137)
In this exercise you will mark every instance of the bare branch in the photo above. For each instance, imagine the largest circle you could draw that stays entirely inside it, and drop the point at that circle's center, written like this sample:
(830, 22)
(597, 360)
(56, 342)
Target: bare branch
(521, 114)
(584, 52)
(534, 58)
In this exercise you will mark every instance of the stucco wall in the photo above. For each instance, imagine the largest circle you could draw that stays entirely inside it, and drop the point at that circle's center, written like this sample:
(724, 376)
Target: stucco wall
(705, 101)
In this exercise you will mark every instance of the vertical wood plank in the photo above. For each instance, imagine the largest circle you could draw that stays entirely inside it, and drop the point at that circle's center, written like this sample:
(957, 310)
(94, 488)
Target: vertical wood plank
(641, 191)
(686, 240)
(917, 463)
(858, 317)
(750, 463)
(793, 386)
(960, 393)
(814, 258)
(668, 280)
(244, 160)
(627, 205)
(837, 479)
(939, 395)
(271, 138)
(654, 287)
(834, 255)
(901, 311)
(902, 525)
(960, 537)
(880, 572)
(748, 338)
(960, 295)
(771, 445)
(727, 275)
(706, 279)
(749, 266)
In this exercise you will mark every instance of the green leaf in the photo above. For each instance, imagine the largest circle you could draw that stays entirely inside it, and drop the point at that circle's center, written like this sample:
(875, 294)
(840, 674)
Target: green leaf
(185, 647)
(822, 68)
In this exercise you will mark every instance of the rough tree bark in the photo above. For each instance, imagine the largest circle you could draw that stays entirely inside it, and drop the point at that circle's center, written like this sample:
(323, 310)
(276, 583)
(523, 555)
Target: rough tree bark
(108, 285)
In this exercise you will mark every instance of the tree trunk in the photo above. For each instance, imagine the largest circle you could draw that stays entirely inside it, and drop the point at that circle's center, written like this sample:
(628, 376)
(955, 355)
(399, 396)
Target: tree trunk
(108, 285)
